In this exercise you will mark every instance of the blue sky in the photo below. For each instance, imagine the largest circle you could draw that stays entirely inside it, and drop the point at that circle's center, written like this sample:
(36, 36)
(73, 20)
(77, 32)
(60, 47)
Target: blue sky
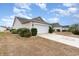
(63, 13)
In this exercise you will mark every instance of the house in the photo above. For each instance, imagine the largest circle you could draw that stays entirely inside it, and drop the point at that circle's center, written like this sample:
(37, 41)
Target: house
(59, 28)
(2, 28)
(38, 22)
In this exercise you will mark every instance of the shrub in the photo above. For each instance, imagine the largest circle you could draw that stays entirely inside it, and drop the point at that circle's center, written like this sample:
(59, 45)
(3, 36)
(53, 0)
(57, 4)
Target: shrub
(24, 32)
(51, 30)
(19, 30)
(13, 31)
(74, 29)
(76, 32)
(27, 34)
(34, 31)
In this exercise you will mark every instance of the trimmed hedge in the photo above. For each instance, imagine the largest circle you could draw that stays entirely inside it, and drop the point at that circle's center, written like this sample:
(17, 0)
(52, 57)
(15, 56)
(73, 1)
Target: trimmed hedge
(19, 30)
(51, 30)
(13, 31)
(34, 31)
(27, 34)
(24, 32)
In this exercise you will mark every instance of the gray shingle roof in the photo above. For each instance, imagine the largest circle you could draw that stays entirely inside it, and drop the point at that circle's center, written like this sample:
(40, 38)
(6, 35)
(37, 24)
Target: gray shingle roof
(4, 27)
(25, 20)
(22, 20)
(56, 25)
(65, 26)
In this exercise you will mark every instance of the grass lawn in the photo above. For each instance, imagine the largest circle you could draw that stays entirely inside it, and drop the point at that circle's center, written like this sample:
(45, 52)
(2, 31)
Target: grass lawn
(11, 44)
(1, 33)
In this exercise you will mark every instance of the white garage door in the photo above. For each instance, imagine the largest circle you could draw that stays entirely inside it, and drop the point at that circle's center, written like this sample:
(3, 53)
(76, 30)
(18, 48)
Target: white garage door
(42, 28)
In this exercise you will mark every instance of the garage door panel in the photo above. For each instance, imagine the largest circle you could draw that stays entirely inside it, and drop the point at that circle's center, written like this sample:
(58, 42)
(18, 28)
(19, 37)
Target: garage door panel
(42, 28)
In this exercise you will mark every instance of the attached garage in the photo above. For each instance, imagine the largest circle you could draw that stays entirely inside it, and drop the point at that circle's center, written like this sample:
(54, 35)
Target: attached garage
(42, 28)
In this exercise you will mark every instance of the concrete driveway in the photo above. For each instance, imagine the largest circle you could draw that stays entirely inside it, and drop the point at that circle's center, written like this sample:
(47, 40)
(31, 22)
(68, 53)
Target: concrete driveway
(72, 41)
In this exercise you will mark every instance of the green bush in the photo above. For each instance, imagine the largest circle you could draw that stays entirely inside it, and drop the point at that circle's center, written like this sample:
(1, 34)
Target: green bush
(13, 31)
(19, 30)
(24, 32)
(74, 29)
(76, 32)
(51, 30)
(27, 34)
(34, 31)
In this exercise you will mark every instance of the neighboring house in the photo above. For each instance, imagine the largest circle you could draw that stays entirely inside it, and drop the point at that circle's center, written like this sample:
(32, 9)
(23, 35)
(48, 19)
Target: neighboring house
(2, 28)
(38, 22)
(59, 28)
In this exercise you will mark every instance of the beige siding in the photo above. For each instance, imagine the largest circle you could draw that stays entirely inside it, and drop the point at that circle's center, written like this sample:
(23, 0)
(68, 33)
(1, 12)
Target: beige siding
(17, 24)
(27, 25)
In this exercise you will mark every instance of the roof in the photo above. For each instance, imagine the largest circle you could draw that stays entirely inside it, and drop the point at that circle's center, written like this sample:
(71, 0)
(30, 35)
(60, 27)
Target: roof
(65, 26)
(25, 20)
(56, 25)
(3, 27)
(21, 19)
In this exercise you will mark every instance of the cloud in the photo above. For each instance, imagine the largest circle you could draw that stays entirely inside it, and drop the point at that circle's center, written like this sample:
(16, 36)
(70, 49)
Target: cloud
(8, 20)
(53, 20)
(43, 6)
(17, 10)
(21, 10)
(64, 12)
(69, 4)
(23, 15)
(72, 10)
(23, 6)
(60, 12)
(76, 16)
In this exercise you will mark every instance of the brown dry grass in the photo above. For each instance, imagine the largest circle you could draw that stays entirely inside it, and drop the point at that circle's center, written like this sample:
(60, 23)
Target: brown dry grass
(35, 46)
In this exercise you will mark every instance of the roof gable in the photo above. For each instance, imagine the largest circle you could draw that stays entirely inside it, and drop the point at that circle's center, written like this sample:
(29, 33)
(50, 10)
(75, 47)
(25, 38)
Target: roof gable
(38, 19)
(25, 20)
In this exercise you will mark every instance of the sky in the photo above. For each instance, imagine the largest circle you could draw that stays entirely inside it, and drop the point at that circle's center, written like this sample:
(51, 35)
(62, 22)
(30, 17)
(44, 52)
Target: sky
(62, 13)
